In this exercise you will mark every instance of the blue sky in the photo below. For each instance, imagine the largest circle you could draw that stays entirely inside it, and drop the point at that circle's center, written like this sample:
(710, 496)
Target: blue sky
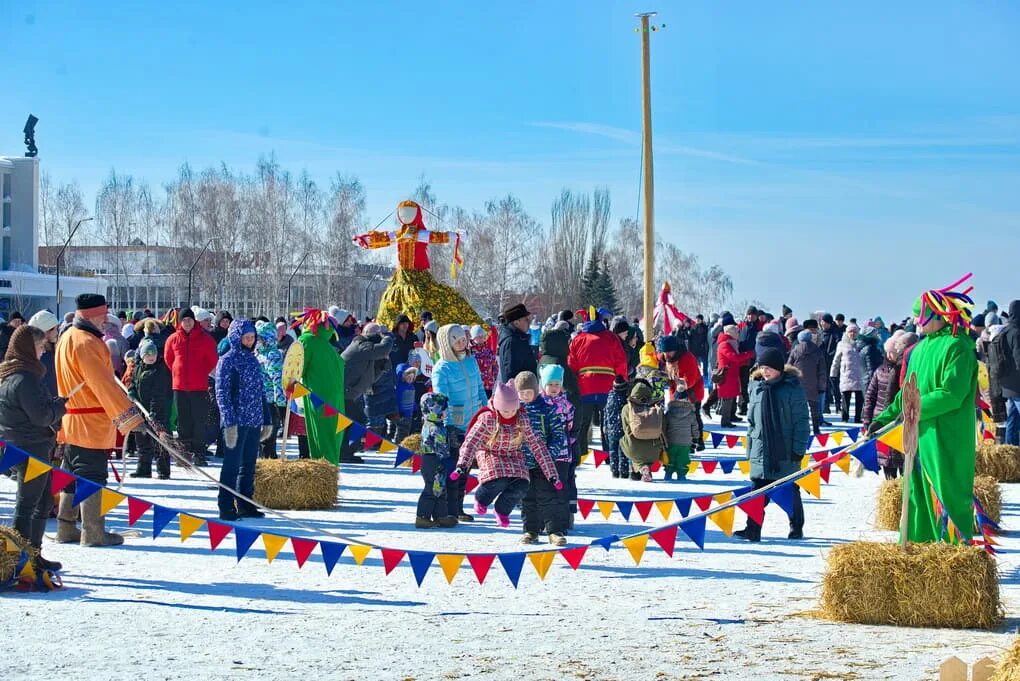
(836, 155)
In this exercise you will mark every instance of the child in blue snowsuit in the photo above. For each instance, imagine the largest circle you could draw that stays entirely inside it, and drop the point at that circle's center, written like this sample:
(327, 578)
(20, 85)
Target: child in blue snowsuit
(612, 423)
(436, 464)
(544, 508)
(406, 403)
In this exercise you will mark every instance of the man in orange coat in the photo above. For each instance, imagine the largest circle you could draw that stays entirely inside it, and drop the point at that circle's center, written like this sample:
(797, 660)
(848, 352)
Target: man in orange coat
(94, 414)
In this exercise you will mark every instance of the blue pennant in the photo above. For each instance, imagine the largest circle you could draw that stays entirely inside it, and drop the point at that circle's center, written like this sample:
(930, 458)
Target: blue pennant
(867, 454)
(316, 401)
(742, 491)
(783, 497)
(355, 432)
(420, 564)
(83, 489)
(11, 458)
(810, 439)
(853, 433)
(684, 506)
(717, 439)
(512, 564)
(161, 516)
(695, 530)
(403, 454)
(606, 542)
(244, 538)
(331, 552)
(727, 466)
(624, 508)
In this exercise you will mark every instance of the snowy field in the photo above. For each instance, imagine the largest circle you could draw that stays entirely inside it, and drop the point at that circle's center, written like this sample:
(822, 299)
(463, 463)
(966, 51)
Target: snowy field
(162, 609)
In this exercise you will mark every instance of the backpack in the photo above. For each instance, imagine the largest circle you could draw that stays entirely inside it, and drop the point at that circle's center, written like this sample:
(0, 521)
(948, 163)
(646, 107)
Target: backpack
(646, 422)
(1000, 361)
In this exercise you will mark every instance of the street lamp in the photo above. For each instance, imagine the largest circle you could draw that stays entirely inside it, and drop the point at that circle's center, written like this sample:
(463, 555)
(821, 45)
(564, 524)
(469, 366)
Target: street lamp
(63, 248)
(195, 264)
(300, 263)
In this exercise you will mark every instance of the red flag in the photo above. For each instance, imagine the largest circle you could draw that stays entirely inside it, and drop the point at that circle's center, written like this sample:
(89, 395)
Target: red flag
(327, 410)
(666, 539)
(302, 549)
(217, 532)
(823, 439)
(391, 558)
(703, 502)
(481, 563)
(472, 482)
(59, 479)
(820, 456)
(136, 509)
(585, 506)
(709, 466)
(643, 508)
(600, 458)
(574, 556)
(656, 465)
(732, 440)
(755, 509)
(824, 470)
(371, 439)
(415, 463)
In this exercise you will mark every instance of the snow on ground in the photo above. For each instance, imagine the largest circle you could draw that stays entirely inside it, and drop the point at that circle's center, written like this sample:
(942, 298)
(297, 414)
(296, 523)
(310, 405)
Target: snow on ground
(162, 609)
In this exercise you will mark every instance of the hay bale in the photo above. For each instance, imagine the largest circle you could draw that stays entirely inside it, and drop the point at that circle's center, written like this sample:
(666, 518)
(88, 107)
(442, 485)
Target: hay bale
(1001, 462)
(412, 442)
(1009, 665)
(296, 485)
(9, 537)
(890, 495)
(927, 585)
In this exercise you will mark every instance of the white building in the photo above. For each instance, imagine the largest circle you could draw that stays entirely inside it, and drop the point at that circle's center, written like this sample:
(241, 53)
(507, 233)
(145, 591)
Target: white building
(22, 287)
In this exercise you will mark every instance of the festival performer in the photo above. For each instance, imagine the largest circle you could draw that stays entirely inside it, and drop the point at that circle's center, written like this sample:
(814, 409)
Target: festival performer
(413, 288)
(945, 364)
(94, 415)
(323, 374)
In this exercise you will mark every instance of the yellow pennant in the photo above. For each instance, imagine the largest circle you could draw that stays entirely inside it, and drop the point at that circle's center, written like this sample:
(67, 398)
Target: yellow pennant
(273, 544)
(723, 498)
(805, 461)
(724, 519)
(584, 458)
(109, 500)
(743, 442)
(692, 466)
(342, 422)
(387, 446)
(35, 468)
(812, 484)
(636, 546)
(894, 438)
(450, 562)
(359, 552)
(665, 508)
(744, 466)
(837, 436)
(844, 463)
(189, 524)
(541, 560)
(606, 508)
(299, 392)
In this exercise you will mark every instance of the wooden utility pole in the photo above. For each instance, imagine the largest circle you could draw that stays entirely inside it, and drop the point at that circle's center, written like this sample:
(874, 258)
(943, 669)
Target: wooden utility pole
(649, 198)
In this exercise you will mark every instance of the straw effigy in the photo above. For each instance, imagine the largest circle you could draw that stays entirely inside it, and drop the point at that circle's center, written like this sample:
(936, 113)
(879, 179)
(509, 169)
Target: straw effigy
(412, 443)
(1009, 665)
(890, 496)
(1002, 462)
(296, 485)
(926, 585)
(11, 546)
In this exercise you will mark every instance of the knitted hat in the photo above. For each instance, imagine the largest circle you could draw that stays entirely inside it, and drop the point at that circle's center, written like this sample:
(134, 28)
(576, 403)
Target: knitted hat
(648, 357)
(827, 318)
(551, 373)
(978, 320)
(852, 327)
(730, 330)
(771, 358)
(372, 329)
(17, 315)
(566, 315)
(147, 347)
(201, 314)
(792, 324)
(772, 327)
(187, 313)
(91, 302)
(811, 324)
(512, 314)
(620, 325)
(44, 320)
(668, 344)
(806, 336)
(505, 397)
(432, 326)
(727, 319)
(526, 381)
(477, 331)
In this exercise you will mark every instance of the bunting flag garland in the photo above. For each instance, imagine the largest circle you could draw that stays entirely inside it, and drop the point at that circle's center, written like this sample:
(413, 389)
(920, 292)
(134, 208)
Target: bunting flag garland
(328, 410)
(541, 560)
(82, 490)
(371, 439)
(665, 509)
(480, 564)
(391, 558)
(299, 391)
(512, 564)
(717, 439)
(35, 468)
(867, 454)
(273, 544)
(812, 484)
(624, 507)
(302, 549)
(574, 556)
(420, 562)
(666, 539)
(109, 500)
(724, 519)
(695, 531)
(189, 524)
(331, 552)
(745, 467)
(894, 438)
(754, 508)
(684, 506)
(217, 533)
(600, 458)
(161, 517)
(12, 457)
(59, 480)
(643, 509)
(403, 455)
(342, 422)
(136, 509)
(708, 466)
(243, 538)
(606, 508)
(359, 552)
(703, 502)
(386, 446)
(585, 506)
(636, 546)
(450, 563)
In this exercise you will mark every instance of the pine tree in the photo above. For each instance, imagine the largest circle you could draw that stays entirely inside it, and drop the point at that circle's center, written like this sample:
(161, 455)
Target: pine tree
(589, 283)
(605, 291)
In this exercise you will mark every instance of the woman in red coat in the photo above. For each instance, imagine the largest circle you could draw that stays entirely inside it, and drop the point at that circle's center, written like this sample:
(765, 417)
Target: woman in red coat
(729, 359)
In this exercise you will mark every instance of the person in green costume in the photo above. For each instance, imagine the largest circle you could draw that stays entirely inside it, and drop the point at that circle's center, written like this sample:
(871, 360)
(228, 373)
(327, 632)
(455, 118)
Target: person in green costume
(323, 374)
(945, 365)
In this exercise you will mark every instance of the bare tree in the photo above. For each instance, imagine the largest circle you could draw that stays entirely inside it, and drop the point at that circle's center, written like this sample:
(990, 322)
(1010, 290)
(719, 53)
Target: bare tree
(115, 218)
(625, 259)
(578, 233)
(345, 217)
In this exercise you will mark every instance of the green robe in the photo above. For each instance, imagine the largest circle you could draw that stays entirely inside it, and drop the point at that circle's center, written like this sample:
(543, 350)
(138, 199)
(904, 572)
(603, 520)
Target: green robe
(946, 370)
(323, 374)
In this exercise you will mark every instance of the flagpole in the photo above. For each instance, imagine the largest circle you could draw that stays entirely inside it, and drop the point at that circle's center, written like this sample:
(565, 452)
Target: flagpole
(649, 183)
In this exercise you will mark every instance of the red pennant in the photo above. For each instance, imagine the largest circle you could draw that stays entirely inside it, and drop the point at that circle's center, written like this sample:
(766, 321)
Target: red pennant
(415, 463)
(732, 440)
(755, 509)
(481, 563)
(666, 539)
(823, 439)
(600, 457)
(823, 472)
(882, 447)
(709, 466)
(820, 456)
(371, 439)
(574, 556)
(585, 506)
(59, 479)
(656, 465)
(472, 482)
(643, 508)
(703, 502)
(328, 410)
(988, 435)
(302, 549)
(217, 532)
(391, 558)
(136, 509)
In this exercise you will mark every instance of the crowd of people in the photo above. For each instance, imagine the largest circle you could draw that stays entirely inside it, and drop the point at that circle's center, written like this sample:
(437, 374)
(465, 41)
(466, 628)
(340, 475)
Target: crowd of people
(517, 398)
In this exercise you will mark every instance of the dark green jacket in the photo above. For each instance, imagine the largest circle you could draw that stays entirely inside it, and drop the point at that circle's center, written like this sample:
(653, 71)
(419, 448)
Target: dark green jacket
(795, 424)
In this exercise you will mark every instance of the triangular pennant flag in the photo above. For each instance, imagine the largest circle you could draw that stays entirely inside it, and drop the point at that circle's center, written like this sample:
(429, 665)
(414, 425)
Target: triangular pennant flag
(217, 532)
(812, 484)
(12, 456)
(724, 519)
(745, 467)
(691, 467)
(541, 560)
(867, 454)
(655, 467)
(83, 488)
(743, 442)
(328, 410)
(403, 454)
(386, 447)
(480, 564)
(372, 439)
(709, 466)
(717, 439)
(782, 496)
(585, 506)
(805, 461)
(703, 502)
(754, 508)
(243, 539)
(302, 549)
(109, 500)
(583, 459)
(666, 539)
(823, 439)
(331, 552)
(574, 556)
(34, 468)
(512, 565)
(299, 391)
(359, 552)
(600, 458)
(136, 509)
(189, 524)
(810, 442)
(820, 456)
(391, 558)
(823, 472)
(450, 562)
(274, 544)
(420, 562)
(606, 542)
(415, 463)
(727, 466)
(316, 401)
(684, 506)
(59, 479)
(161, 517)
(732, 440)
(355, 432)
(665, 508)
(471, 484)
(723, 498)
(695, 530)
(606, 508)
(644, 508)
(853, 433)
(342, 422)
(894, 438)
(636, 546)
(843, 463)
(838, 436)
(624, 508)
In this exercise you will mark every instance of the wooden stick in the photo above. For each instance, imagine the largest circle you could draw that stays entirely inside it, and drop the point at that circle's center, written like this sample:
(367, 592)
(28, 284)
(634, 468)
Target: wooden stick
(286, 432)
(911, 416)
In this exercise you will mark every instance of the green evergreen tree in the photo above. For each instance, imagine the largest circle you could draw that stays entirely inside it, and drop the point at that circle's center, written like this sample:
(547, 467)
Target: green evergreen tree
(605, 291)
(590, 283)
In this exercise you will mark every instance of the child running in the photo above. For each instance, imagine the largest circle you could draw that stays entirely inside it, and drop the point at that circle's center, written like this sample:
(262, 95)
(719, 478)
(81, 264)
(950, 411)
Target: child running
(544, 508)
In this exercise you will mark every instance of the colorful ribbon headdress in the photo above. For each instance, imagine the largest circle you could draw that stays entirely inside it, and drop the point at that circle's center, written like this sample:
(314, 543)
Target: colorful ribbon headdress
(312, 319)
(952, 306)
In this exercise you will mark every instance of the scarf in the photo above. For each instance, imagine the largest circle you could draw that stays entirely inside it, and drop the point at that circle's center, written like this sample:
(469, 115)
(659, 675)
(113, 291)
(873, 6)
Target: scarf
(772, 429)
(20, 355)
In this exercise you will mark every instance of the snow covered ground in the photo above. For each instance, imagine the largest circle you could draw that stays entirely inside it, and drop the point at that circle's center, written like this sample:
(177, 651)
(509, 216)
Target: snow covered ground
(162, 609)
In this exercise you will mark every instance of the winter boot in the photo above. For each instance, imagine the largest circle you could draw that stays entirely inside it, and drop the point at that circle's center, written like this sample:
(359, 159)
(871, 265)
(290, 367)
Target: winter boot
(163, 465)
(502, 520)
(144, 467)
(557, 539)
(424, 523)
(529, 538)
(448, 521)
(93, 525)
(67, 521)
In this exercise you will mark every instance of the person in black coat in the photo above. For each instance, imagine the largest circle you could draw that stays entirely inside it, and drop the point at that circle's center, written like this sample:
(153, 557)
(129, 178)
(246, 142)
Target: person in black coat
(152, 387)
(223, 320)
(360, 373)
(29, 418)
(829, 341)
(515, 352)
(403, 341)
(698, 343)
(7, 330)
(810, 362)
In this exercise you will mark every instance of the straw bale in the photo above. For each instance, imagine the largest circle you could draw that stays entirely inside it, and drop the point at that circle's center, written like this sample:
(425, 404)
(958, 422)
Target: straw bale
(887, 513)
(412, 442)
(9, 559)
(296, 485)
(1002, 462)
(1009, 665)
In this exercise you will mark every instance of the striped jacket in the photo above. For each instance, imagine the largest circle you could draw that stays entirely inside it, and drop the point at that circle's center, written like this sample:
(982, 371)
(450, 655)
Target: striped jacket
(503, 458)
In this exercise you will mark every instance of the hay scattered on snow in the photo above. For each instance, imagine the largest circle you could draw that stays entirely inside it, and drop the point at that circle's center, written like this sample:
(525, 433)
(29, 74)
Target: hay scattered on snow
(887, 513)
(296, 485)
(9, 559)
(928, 585)
(412, 442)
(1001, 462)
(1009, 665)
